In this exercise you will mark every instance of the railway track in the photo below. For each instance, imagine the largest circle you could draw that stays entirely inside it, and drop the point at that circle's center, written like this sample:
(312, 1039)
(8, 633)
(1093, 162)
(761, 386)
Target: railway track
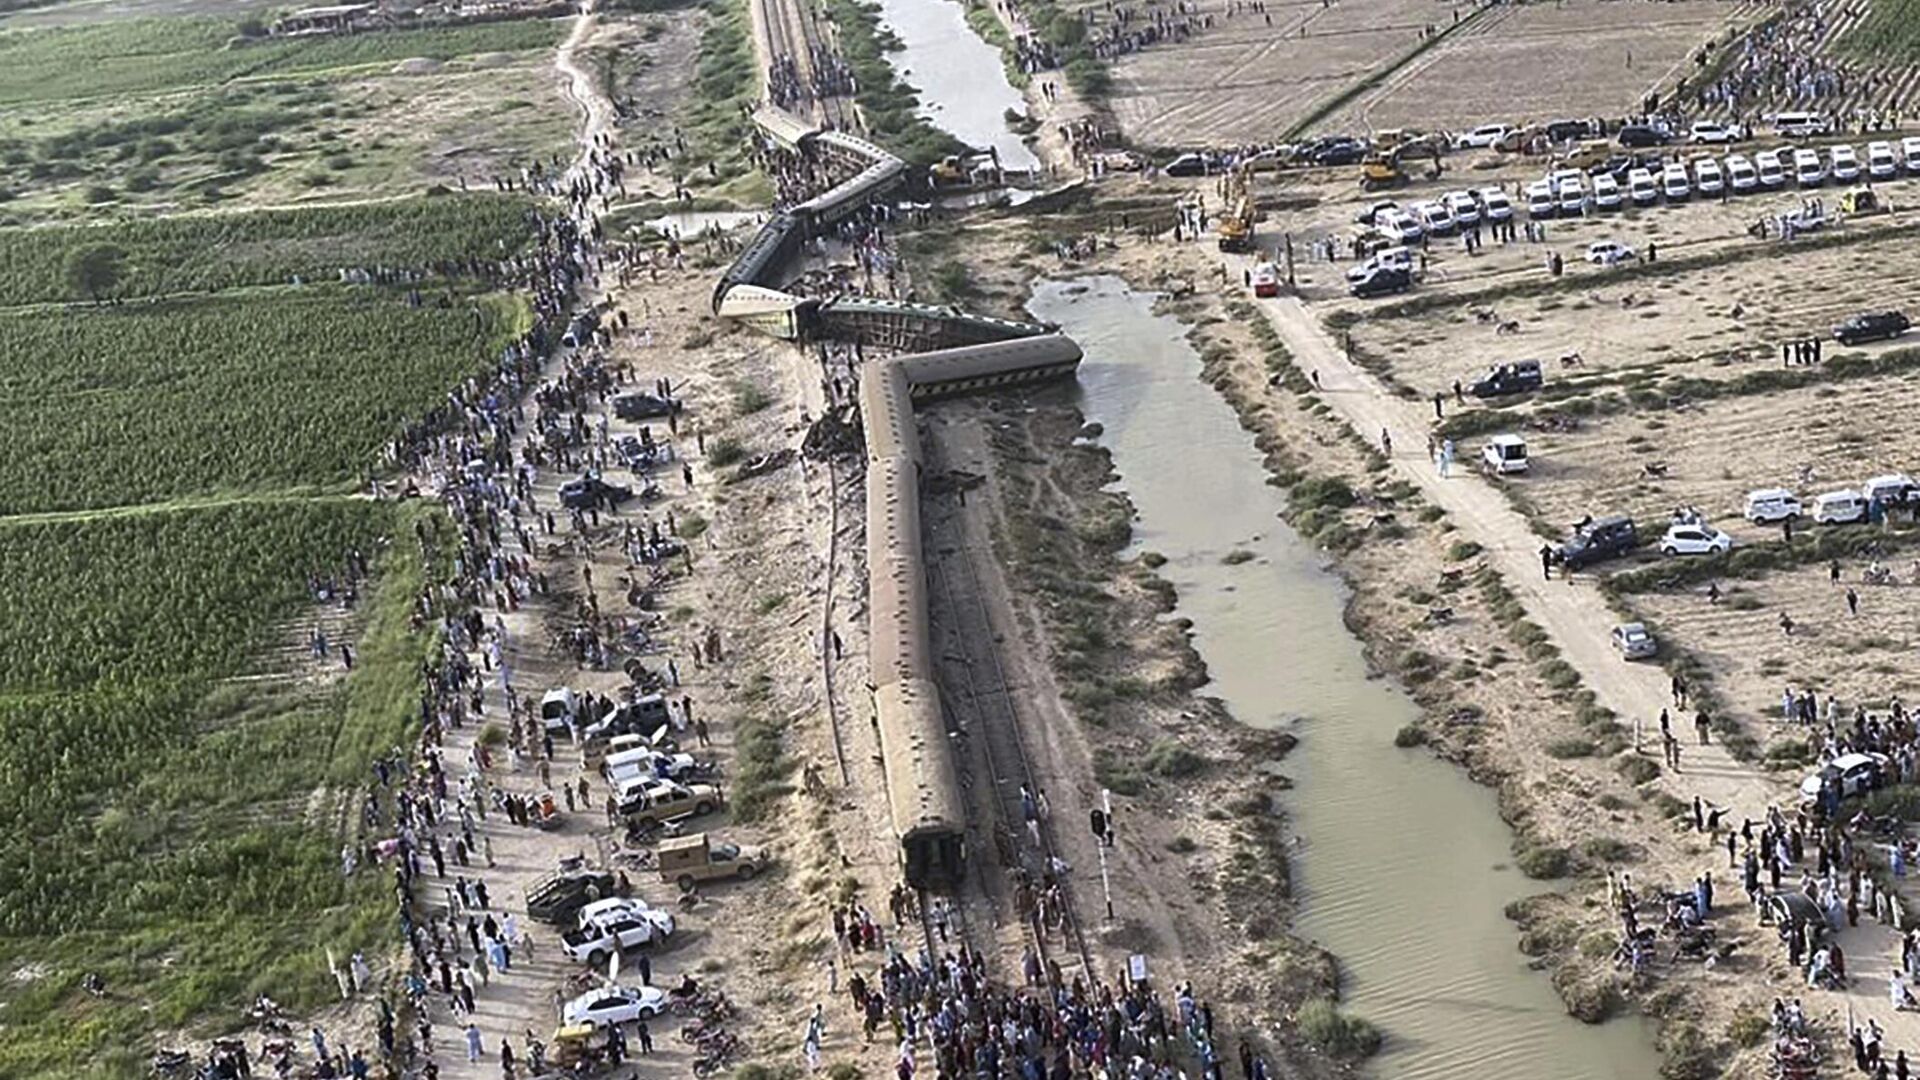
(986, 719)
(794, 31)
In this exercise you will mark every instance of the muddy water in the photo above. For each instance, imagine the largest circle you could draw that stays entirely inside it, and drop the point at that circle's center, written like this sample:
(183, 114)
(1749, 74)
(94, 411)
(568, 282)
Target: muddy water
(1403, 870)
(963, 87)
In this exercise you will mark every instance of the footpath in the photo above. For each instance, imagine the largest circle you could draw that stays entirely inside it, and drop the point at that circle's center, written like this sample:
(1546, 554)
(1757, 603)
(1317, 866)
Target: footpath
(1578, 620)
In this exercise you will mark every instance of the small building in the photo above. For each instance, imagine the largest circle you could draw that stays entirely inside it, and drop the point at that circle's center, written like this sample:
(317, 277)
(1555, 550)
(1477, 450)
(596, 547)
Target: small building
(333, 19)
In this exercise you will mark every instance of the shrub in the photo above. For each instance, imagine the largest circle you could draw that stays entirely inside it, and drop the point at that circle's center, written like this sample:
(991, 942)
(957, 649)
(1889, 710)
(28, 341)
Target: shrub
(1607, 849)
(1570, 748)
(1410, 735)
(1182, 845)
(1342, 1036)
(1637, 769)
(1589, 997)
(1749, 1030)
(1326, 492)
(1900, 800)
(748, 397)
(725, 450)
(1543, 863)
(493, 735)
(1170, 759)
(1462, 550)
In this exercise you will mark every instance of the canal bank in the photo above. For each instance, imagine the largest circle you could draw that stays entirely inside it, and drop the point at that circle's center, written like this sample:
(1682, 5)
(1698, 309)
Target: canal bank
(960, 79)
(1403, 871)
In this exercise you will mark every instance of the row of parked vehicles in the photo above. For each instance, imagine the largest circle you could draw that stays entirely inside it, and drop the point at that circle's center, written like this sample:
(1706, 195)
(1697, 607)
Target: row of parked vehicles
(1643, 181)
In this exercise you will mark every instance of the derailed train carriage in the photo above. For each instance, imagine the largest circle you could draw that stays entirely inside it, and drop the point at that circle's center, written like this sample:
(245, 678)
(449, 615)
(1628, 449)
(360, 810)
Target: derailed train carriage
(973, 352)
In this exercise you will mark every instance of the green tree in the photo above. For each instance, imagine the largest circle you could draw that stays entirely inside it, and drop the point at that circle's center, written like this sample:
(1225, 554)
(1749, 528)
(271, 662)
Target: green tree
(95, 269)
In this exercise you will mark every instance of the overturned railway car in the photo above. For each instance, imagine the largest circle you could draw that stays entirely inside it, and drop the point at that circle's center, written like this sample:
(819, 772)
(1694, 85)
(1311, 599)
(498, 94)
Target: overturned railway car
(946, 352)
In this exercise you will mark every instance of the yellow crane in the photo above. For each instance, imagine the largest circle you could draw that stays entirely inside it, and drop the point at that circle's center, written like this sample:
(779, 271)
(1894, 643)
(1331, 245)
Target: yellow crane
(1235, 229)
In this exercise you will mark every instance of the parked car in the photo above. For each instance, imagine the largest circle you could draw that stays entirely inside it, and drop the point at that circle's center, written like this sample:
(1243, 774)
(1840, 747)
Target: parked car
(1571, 196)
(1464, 208)
(1741, 177)
(1871, 326)
(1799, 125)
(1707, 177)
(1197, 165)
(1484, 137)
(1401, 226)
(558, 707)
(1844, 507)
(1398, 257)
(1880, 162)
(648, 801)
(688, 860)
(1371, 214)
(1606, 193)
(1707, 131)
(1633, 641)
(1846, 165)
(611, 1006)
(1559, 131)
(645, 761)
(1852, 774)
(643, 716)
(1540, 200)
(1435, 218)
(1608, 253)
(1500, 380)
(1339, 151)
(558, 897)
(591, 493)
(1266, 280)
(1642, 135)
(1769, 505)
(643, 406)
(1910, 154)
(1695, 538)
(1891, 488)
(1642, 187)
(601, 935)
(1772, 173)
(1382, 281)
(1504, 454)
(1494, 205)
(1808, 169)
(1607, 538)
(1674, 183)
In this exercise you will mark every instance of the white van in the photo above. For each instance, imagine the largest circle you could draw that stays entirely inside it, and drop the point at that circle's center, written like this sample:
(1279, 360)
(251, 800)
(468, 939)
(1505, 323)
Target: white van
(1799, 125)
(1768, 505)
(1606, 192)
(1540, 199)
(1888, 487)
(558, 707)
(1642, 188)
(1494, 205)
(1846, 165)
(1910, 152)
(1435, 218)
(1840, 508)
(1772, 173)
(1707, 177)
(1674, 183)
(1463, 207)
(1808, 169)
(1740, 175)
(1880, 163)
(1504, 454)
(1573, 197)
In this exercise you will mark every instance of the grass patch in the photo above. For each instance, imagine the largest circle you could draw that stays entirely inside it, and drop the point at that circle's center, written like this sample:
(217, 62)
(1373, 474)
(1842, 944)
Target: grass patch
(1340, 1035)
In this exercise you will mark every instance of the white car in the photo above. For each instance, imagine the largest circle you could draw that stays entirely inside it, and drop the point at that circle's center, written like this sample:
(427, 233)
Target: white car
(1855, 774)
(1880, 162)
(1707, 177)
(1484, 137)
(1741, 176)
(1606, 193)
(1910, 153)
(596, 940)
(1799, 125)
(1505, 454)
(1399, 258)
(1434, 218)
(1674, 183)
(558, 707)
(1706, 131)
(1494, 205)
(1886, 488)
(1846, 165)
(1572, 196)
(1540, 199)
(1845, 507)
(1808, 170)
(1769, 505)
(1773, 174)
(1464, 208)
(1402, 226)
(620, 907)
(648, 762)
(1608, 252)
(1694, 539)
(1642, 187)
(612, 1006)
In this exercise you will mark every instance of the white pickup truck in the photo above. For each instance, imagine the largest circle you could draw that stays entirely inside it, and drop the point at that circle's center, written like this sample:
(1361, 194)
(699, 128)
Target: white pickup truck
(617, 926)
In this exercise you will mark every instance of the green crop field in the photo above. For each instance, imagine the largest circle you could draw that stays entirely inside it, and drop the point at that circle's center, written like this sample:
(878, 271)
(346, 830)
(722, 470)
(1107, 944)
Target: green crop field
(244, 391)
(206, 252)
(147, 56)
(174, 832)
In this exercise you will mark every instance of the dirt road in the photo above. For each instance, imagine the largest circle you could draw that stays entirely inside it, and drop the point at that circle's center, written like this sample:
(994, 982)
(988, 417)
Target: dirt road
(1577, 619)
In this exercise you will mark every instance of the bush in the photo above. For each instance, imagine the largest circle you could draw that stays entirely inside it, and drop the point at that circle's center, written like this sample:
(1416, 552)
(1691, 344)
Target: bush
(1462, 550)
(1409, 736)
(1570, 748)
(1543, 863)
(1636, 769)
(1590, 997)
(1687, 1053)
(1607, 849)
(1182, 845)
(1238, 556)
(1326, 492)
(1900, 800)
(1749, 1030)
(748, 397)
(493, 735)
(725, 450)
(1170, 759)
(1342, 1036)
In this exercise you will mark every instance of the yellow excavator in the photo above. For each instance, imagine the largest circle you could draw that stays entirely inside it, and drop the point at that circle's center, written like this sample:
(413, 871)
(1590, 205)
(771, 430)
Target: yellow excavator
(1235, 228)
(1384, 168)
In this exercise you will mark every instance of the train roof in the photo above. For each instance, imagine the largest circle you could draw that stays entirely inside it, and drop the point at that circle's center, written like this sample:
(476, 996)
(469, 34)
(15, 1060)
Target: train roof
(783, 127)
(921, 784)
(990, 359)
